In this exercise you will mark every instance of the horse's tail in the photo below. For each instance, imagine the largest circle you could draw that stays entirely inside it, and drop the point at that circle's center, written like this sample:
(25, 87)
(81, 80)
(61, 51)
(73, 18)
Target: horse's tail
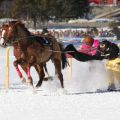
(63, 57)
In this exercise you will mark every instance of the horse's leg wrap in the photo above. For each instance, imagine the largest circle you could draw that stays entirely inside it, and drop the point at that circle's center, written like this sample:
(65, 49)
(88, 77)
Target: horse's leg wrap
(18, 71)
(28, 73)
(30, 81)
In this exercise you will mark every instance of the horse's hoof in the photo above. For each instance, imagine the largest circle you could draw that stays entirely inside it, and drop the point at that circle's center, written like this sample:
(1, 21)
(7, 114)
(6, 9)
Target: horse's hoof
(48, 78)
(37, 86)
(30, 85)
(62, 91)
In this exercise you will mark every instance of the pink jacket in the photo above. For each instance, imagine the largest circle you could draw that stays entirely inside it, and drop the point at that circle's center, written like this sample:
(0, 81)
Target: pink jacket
(90, 50)
(95, 47)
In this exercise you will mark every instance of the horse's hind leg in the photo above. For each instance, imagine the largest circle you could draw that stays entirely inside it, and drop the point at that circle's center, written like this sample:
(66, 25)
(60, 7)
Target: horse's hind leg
(37, 70)
(57, 64)
(46, 70)
(41, 73)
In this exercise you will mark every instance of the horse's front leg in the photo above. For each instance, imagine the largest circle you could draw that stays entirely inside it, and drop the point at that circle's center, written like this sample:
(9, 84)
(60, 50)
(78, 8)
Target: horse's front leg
(30, 80)
(26, 69)
(29, 63)
(16, 63)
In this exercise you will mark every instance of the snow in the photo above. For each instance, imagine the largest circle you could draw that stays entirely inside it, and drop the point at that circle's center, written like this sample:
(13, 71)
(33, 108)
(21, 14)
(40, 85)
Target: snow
(23, 106)
(49, 103)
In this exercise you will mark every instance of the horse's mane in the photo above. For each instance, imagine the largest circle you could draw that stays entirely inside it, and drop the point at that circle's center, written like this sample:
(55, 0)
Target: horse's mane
(19, 23)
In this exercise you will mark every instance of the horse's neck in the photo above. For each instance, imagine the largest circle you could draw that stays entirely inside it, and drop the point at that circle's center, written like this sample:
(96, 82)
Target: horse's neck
(23, 35)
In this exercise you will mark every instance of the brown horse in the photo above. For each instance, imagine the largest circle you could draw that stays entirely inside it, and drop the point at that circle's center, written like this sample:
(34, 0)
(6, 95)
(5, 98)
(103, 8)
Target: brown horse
(17, 53)
(33, 52)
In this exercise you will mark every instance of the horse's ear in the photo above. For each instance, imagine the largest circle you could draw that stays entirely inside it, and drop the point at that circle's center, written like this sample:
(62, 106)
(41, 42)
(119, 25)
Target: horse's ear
(17, 22)
(13, 22)
(5, 25)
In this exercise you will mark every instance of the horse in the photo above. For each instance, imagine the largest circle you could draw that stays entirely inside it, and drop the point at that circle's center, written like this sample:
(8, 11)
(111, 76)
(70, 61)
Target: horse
(17, 53)
(33, 52)
(106, 50)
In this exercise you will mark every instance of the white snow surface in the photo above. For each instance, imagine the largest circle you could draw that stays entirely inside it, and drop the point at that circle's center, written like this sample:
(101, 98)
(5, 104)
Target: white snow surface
(50, 102)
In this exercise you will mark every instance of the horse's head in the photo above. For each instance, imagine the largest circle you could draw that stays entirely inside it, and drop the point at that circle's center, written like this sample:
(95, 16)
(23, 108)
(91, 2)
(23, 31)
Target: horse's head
(4, 34)
(8, 32)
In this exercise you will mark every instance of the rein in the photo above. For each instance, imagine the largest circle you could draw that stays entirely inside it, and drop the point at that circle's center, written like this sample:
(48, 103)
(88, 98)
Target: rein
(17, 39)
(55, 51)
